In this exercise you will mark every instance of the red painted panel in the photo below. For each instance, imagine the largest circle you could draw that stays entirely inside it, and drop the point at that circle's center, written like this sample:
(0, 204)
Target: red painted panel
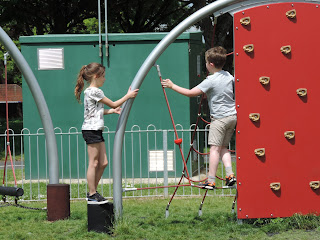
(293, 163)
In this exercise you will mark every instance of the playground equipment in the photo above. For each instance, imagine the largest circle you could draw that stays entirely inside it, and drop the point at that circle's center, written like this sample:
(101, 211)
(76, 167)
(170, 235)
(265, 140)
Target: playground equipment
(48, 128)
(270, 51)
(276, 182)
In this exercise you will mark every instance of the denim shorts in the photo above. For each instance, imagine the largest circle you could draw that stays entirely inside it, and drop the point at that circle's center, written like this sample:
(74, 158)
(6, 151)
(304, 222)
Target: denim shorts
(92, 136)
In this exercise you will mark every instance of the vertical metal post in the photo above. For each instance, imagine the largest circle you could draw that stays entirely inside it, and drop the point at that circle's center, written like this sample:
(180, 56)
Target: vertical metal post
(165, 161)
(99, 20)
(106, 26)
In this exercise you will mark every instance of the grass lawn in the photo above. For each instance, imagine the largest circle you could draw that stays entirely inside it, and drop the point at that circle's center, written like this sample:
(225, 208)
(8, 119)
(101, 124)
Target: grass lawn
(144, 218)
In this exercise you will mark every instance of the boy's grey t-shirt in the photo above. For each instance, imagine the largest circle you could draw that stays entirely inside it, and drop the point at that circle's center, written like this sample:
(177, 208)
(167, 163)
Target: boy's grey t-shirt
(93, 109)
(219, 90)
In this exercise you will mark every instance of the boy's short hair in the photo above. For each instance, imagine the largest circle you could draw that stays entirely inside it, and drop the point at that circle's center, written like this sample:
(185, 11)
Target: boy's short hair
(217, 56)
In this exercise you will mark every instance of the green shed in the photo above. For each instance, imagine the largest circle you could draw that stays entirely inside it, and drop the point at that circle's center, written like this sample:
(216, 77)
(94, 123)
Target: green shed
(57, 59)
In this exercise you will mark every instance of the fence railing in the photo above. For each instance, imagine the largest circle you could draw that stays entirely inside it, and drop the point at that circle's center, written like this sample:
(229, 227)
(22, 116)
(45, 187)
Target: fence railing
(150, 159)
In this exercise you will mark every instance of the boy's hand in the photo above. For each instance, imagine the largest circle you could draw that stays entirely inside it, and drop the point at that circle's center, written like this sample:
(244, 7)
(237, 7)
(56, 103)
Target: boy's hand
(132, 94)
(167, 83)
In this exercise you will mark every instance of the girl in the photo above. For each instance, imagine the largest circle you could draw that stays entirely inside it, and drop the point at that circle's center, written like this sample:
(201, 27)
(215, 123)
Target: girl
(93, 124)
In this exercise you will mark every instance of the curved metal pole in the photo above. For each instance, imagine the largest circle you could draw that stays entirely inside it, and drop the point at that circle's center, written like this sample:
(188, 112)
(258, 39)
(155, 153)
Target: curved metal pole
(40, 102)
(136, 83)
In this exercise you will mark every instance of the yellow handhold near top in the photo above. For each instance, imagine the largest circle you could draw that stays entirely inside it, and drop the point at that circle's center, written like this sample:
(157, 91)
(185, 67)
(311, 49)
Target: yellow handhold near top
(285, 49)
(302, 92)
(289, 134)
(291, 13)
(275, 186)
(314, 185)
(254, 117)
(264, 80)
(248, 48)
(260, 152)
(245, 21)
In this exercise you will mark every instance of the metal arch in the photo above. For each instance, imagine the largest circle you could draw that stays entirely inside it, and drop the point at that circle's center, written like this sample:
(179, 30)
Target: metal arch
(136, 83)
(41, 105)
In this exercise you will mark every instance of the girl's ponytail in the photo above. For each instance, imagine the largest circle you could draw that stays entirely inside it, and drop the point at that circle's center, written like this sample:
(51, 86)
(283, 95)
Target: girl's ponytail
(87, 72)
(80, 84)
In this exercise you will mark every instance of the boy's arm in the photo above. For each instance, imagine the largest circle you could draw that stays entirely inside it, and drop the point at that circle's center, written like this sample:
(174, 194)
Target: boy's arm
(167, 83)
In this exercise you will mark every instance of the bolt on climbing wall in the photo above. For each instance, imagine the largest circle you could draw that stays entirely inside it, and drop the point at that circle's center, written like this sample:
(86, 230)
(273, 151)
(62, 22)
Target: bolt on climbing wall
(276, 51)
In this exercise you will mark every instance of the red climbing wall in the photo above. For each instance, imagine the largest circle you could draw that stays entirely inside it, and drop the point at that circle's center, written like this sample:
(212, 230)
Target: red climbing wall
(293, 163)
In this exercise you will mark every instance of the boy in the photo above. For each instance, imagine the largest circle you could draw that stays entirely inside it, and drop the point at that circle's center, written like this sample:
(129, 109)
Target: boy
(219, 89)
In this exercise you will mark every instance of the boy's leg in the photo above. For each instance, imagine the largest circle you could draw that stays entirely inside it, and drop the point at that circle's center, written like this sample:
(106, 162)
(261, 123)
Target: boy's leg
(214, 161)
(226, 159)
(225, 154)
(216, 135)
(213, 165)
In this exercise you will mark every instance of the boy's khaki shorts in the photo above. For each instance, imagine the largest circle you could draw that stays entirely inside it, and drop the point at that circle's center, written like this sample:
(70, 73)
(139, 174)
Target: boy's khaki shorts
(221, 130)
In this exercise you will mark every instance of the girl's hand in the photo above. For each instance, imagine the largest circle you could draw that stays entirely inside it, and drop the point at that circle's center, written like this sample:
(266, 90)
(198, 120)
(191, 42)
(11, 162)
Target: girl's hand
(117, 110)
(167, 83)
(132, 94)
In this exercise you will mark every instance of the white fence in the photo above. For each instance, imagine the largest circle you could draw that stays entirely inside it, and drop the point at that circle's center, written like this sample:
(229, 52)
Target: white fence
(150, 159)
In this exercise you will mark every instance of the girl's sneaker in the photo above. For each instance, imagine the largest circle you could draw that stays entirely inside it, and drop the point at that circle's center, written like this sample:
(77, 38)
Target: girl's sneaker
(96, 198)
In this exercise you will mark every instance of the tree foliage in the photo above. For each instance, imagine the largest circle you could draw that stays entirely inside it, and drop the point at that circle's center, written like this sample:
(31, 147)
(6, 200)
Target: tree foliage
(38, 17)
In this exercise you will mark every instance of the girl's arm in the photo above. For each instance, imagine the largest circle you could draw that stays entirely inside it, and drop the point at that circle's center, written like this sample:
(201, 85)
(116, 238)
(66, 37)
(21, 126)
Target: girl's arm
(110, 103)
(167, 83)
(112, 110)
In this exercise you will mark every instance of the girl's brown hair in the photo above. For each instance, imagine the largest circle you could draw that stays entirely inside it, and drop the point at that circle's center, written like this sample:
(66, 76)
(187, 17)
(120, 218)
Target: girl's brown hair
(87, 72)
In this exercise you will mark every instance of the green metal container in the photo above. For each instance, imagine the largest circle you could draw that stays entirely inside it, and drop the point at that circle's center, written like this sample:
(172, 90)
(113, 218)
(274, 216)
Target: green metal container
(56, 61)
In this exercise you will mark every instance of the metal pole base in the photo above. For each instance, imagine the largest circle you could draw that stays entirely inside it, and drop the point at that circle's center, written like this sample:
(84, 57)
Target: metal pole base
(58, 201)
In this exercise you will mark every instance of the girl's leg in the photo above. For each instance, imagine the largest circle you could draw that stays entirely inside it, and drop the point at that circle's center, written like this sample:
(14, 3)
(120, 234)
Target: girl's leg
(93, 153)
(102, 164)
(214, 160)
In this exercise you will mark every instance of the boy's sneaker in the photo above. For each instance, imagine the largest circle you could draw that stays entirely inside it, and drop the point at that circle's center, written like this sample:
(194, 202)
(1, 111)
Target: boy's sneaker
(207, 185)
(96, 198)
(231, 180)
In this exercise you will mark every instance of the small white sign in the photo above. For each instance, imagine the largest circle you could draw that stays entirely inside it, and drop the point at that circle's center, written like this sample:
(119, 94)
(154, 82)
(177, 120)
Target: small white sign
(156, 161)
